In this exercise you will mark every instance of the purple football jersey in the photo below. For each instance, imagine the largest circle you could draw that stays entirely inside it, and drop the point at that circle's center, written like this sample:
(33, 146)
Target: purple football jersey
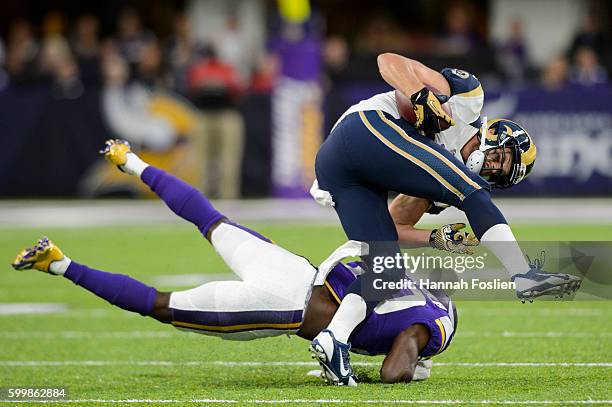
(375, 335)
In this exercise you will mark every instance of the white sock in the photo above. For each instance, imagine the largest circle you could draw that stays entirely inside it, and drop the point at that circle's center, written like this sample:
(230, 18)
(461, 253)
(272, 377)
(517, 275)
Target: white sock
(352, 312)
(500, 240)
(59, 267)
(134, 165)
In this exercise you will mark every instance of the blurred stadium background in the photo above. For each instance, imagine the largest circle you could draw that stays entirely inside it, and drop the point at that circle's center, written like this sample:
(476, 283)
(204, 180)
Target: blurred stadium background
(236, 96)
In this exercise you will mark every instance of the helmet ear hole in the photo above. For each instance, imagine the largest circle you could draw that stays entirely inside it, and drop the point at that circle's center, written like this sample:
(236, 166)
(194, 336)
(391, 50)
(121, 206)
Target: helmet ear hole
(475, 161)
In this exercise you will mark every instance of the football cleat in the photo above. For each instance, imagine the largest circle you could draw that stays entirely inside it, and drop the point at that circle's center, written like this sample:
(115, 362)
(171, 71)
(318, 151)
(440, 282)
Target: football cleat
(536, 283)
(333, 357)
(115, 151)
(38, 257)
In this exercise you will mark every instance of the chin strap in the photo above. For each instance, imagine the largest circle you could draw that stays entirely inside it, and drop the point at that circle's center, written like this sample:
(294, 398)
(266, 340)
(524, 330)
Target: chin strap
(476, 158)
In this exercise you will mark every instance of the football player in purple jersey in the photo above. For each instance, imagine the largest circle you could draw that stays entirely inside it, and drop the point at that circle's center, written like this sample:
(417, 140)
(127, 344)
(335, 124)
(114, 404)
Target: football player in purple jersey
(279, 292)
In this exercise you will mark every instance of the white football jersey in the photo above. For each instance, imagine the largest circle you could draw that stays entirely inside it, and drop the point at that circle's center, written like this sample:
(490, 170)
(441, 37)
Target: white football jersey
(465, 102)
(382, 101)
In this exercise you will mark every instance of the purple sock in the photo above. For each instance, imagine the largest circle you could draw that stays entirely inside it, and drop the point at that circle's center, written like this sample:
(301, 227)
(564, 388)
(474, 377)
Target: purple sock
(183, 199)
(118, 289)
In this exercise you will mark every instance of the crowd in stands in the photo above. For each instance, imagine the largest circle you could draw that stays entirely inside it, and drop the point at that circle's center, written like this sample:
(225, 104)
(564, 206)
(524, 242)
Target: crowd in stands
(133, 68)
(200, 84)
(59, 51)
(462, 41)
(72, 55)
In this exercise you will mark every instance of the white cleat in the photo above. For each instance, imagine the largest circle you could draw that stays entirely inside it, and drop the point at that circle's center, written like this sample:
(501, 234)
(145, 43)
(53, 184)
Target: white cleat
(536, 283)
(333, 357)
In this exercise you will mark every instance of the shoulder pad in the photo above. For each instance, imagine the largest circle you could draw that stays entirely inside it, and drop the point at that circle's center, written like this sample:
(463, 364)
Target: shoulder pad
(462, 83)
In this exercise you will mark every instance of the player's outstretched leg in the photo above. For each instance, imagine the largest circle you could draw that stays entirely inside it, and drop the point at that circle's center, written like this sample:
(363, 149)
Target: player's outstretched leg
(118, 289)
(183, 199)
(492, 230)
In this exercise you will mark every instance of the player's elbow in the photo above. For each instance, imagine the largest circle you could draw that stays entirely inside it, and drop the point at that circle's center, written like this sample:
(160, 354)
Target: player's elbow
(391, 375)
(389, 62)
(384, 59)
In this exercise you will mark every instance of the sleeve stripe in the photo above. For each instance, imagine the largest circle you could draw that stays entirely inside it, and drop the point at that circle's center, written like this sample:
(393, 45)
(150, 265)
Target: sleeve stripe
(472, 93)
(443, 333)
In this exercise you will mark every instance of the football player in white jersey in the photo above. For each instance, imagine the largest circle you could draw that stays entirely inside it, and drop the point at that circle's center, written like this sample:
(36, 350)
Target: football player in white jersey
(462, 94)
(375, 147)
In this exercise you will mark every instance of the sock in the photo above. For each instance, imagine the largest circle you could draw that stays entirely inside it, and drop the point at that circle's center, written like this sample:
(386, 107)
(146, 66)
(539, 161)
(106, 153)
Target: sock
(59, 267)
(352, 312)
(118, 289)
(481, 212)
(491, 228)
(500, 240)
(134, 165)
(183, 199)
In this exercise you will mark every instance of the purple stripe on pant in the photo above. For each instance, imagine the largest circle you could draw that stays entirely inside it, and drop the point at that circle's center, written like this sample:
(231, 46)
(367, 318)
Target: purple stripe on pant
(251, 231)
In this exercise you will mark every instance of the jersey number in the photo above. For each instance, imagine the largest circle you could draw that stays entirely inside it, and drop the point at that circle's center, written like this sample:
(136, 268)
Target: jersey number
(460, 73)
(415, 299)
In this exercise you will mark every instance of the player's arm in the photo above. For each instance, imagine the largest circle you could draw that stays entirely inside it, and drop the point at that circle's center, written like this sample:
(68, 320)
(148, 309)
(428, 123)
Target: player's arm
(410, 76)
(406, 211)
(414, 79)
(401, 360)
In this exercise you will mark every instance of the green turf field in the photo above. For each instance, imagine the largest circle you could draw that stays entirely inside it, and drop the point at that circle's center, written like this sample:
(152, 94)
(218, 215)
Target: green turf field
(503, 353)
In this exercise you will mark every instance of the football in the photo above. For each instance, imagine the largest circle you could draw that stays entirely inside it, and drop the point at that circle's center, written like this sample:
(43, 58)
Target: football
(404, 106)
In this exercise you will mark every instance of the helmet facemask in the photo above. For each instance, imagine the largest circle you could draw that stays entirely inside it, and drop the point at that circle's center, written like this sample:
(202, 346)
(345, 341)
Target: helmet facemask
(495, 176)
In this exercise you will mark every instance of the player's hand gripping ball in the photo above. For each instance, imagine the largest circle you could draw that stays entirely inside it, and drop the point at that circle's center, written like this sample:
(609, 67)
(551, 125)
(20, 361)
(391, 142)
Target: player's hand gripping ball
(451, 238)
(425, 111)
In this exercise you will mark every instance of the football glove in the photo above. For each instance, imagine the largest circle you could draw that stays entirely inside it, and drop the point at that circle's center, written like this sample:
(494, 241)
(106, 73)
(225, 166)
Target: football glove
(451, 238)
(428, 111)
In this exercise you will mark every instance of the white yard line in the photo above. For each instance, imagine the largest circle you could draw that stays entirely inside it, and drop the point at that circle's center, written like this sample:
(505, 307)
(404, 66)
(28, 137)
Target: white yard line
(20, 308)
(520, 311)
(494, 312)
(90, 334)
(174, 333)
(315, 401)
(36, 363)
(547, 334)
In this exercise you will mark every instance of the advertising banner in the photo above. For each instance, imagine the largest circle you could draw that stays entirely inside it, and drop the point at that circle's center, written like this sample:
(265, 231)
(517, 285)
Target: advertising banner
(572, 129)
